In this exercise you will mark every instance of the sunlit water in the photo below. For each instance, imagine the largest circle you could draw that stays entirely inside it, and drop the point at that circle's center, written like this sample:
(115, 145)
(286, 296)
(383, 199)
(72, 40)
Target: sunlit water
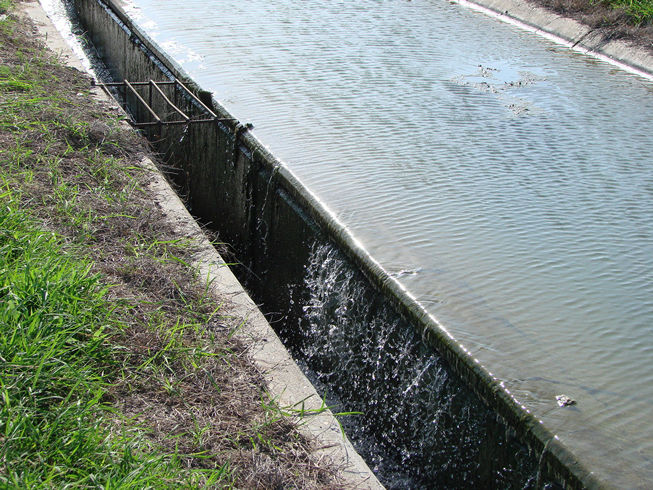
(506, 181)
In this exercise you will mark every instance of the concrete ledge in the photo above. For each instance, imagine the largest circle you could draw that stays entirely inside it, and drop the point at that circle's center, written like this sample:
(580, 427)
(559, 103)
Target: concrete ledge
(285, 381)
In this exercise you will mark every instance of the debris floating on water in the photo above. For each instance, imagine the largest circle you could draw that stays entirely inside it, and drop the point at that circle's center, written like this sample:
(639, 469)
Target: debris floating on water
(564, 400)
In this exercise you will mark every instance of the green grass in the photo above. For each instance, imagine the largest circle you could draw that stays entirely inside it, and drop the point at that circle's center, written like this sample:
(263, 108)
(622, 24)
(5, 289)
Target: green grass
(639, 11)
(59, 362)
(56, 366)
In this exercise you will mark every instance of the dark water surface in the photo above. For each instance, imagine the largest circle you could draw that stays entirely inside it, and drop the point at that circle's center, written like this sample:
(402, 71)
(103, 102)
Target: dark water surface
(506, 181)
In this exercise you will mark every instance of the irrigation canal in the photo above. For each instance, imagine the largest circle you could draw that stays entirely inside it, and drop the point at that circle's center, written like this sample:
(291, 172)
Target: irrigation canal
(506, 181)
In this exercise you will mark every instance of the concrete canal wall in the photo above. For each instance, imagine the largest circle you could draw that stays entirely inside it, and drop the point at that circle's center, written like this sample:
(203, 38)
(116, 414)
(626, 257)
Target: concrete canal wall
(258, 206)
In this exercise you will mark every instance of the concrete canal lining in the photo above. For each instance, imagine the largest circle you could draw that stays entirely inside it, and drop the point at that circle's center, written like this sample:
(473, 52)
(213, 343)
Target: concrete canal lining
(265, 211)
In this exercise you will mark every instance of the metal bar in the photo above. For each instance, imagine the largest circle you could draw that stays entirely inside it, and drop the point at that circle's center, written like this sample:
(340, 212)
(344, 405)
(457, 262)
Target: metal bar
(169, 102)
(148, 105)
(173, 123)
(149, 95)
(208, 120)
(147, 124)
(141, 100)
(162, 123)
(136, 84)
(190, 121)
(196, 99)
(109, 93)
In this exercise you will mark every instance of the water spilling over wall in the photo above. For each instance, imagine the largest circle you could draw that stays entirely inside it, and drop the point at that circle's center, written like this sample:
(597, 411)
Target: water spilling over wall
(431, 415)
(420, 426)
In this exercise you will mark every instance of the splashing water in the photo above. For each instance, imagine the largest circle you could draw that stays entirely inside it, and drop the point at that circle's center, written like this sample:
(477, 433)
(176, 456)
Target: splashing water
(419, 425)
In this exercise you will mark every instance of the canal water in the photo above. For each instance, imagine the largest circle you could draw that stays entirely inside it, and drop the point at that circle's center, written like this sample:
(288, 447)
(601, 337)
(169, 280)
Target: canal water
(505, 180)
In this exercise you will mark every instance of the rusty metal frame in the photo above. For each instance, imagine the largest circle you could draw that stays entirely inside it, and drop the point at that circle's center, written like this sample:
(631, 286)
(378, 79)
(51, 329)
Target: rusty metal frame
(153, 87)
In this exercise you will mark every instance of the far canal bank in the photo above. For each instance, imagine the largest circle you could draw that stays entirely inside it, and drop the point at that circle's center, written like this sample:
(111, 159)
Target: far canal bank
(598, 30)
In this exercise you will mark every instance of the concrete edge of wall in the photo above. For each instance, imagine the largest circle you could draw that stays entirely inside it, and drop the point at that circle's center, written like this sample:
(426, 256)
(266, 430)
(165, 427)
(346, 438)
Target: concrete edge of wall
(286, 384)
(553, 454)
(568, 32)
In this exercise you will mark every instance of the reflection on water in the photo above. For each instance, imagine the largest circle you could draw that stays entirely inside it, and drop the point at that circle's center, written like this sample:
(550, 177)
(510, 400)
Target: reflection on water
(511, 177)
